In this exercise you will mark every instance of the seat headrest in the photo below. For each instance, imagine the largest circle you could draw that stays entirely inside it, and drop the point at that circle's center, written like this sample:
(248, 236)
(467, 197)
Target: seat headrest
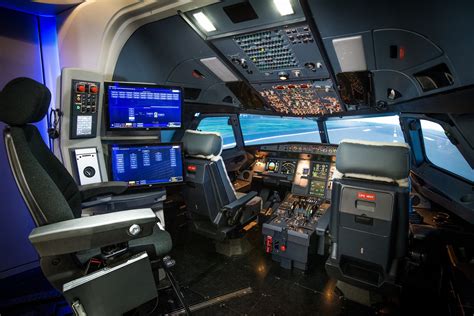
(379, 161)
(23, 101)
(202, 144)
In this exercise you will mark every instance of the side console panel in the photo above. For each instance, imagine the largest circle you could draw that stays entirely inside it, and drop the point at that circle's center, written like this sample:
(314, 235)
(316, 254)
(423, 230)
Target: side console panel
(84, 105)
(81, 106)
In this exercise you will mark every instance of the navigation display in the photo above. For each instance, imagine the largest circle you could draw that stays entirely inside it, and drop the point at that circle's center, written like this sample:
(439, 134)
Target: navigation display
(142, 106)
(317, 188)
(147, 165)
(319, 175)
(320, 170)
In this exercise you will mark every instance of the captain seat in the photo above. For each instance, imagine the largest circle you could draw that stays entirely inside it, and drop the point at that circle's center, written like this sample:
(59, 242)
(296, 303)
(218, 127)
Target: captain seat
(66, 242)
(369, 214)
(217, 211)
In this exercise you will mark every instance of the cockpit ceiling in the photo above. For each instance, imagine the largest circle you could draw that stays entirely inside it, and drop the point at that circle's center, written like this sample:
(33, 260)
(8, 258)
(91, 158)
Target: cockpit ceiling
(277, 55)
(290, 67)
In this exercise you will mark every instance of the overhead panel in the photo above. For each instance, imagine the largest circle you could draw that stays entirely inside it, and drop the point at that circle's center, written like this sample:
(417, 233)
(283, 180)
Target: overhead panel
(264, 55)
(277, 55)
(284, 65)
(302, 98)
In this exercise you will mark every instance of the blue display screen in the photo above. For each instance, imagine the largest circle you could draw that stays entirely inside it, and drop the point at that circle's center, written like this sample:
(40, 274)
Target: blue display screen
(147, 164)
(136, 106)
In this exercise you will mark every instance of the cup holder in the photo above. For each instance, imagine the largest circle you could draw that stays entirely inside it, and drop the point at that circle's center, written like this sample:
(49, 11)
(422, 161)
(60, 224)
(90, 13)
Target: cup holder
(468, 198)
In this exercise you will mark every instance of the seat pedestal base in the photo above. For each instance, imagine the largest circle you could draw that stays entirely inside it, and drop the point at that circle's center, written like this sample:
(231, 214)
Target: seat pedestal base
(358, 295)
(233, 247)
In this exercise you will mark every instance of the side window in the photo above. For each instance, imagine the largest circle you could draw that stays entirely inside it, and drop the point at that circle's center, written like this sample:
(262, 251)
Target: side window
(442, 153)
(219, 124)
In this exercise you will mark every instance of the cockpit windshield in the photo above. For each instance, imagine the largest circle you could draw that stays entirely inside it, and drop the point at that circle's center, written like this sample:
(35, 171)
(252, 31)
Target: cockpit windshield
(381, 129)
(266, 129)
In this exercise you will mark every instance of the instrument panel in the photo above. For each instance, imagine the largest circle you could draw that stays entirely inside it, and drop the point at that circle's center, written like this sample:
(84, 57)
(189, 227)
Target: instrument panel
(318, 149)
(308, 168)
(282, 167)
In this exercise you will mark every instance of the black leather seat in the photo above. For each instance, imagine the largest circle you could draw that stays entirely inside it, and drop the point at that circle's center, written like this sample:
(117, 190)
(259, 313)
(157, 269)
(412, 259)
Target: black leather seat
(216, 209)
(369, 214)
(54, 200)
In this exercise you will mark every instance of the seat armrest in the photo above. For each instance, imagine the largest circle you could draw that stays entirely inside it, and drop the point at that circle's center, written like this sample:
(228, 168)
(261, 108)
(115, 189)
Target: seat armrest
(91, 232)
(323, 223)
(240, 201)
(89, 191)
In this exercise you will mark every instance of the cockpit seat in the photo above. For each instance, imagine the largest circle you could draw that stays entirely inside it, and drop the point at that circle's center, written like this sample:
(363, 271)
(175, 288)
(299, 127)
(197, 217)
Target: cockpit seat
(63, 238)
(217, 210)
(369, 214)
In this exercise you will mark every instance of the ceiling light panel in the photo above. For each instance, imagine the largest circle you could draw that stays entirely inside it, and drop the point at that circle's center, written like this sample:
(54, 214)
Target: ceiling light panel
(204, 22)
(284, 7)
(219, 69)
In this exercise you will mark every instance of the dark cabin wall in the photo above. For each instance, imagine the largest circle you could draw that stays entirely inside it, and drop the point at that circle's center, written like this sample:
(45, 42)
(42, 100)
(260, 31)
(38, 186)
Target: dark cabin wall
(167, 52)
(20, 55)
(447, 23)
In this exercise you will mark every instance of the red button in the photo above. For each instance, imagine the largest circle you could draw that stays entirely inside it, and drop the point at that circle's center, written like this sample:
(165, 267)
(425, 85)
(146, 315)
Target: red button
(81, 88)
(283, 248)
(94, 89)
(192, 168)
(269, 244)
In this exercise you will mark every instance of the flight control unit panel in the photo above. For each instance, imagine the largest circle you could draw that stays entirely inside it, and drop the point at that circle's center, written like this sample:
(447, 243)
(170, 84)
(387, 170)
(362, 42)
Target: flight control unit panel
(290, 235)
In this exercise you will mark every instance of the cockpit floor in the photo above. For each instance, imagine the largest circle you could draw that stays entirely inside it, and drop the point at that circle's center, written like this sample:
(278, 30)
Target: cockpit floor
(205, 274)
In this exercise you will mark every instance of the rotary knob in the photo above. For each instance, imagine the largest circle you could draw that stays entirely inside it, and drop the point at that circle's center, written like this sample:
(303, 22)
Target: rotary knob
(89, 171)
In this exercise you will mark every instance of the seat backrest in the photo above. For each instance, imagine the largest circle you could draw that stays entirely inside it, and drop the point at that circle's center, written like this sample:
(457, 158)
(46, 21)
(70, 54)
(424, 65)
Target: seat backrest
(208, 185)
(370, 203)
(48, 189)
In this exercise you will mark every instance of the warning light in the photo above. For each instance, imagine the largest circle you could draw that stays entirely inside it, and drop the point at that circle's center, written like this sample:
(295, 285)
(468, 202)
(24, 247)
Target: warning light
(282, 248)
(366, 196)
(401, 52)
(192, 168)
(269, 244)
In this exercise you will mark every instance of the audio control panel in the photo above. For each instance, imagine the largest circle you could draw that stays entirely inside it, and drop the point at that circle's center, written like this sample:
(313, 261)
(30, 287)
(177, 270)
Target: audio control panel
(84, 108)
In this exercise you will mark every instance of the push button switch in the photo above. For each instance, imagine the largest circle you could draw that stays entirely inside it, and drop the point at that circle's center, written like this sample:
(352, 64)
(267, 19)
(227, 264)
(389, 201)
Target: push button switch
(81, 88)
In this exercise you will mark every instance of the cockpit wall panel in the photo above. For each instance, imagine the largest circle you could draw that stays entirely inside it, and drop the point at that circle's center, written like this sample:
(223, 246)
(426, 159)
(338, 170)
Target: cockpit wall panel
(402, 49)
(412, 38)
(168, 52)
(386, 80)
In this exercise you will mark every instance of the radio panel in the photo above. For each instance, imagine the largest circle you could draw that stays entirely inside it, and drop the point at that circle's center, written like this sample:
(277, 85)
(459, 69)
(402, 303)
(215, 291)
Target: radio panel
(84, 106)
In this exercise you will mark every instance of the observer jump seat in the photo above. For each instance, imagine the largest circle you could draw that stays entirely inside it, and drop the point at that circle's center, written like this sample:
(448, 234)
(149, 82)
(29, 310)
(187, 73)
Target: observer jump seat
(217, 210)
(369, 213)
(64, 240)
